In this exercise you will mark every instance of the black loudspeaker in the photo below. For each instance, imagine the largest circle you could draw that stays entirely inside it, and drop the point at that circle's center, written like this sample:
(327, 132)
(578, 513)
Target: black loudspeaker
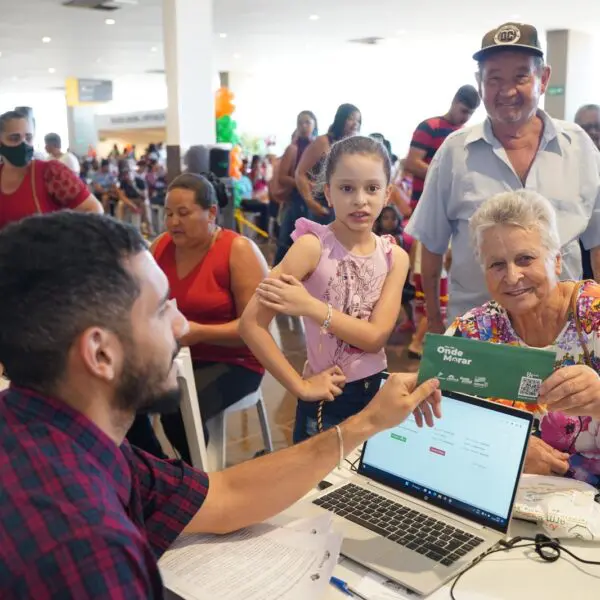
(219, 162)
(197, 159)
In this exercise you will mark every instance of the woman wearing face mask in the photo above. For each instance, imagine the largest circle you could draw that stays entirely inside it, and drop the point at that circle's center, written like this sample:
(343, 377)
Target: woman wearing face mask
(29, 186)
(346, 123)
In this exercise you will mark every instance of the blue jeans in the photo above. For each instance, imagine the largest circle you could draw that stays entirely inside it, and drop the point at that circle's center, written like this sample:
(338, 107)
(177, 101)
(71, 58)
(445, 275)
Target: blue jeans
(354, 398)
(294, 211)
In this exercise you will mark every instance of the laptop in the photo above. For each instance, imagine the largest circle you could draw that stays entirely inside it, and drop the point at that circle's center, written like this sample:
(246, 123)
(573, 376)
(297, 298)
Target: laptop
(426, 503)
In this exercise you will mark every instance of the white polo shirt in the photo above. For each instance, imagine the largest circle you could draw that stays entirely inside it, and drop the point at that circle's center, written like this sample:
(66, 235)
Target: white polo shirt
(71, 161)
(472, 166)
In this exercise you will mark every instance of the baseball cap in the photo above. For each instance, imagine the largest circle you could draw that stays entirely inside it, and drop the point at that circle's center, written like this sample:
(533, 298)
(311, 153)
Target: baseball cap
(510, 35)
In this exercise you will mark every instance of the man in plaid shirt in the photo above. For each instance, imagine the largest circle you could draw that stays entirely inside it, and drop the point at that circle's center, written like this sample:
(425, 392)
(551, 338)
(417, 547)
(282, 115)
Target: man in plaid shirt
(88, 337)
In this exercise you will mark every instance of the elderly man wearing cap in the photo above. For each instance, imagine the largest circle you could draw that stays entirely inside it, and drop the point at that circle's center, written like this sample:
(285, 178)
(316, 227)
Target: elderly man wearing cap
(518, 146)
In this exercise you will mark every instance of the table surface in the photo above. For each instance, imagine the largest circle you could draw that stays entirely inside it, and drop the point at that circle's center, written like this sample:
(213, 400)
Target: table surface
(515, 575)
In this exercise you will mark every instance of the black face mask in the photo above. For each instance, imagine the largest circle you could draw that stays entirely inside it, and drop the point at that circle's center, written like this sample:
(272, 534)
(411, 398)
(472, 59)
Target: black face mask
(18, 156)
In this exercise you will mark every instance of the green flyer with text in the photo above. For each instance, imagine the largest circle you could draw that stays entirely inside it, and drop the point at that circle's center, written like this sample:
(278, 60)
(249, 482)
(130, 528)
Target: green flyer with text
(484, 369)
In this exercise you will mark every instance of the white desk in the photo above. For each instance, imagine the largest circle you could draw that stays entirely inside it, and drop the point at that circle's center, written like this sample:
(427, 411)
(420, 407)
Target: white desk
(514, 575)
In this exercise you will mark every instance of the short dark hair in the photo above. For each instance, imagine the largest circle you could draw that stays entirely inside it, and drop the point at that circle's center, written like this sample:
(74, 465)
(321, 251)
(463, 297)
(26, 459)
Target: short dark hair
(11, 115)
(204, 191)
(584, 108)
(468, 96)
(61, 274)
(357, 144)
(336, 131)
(53, 139)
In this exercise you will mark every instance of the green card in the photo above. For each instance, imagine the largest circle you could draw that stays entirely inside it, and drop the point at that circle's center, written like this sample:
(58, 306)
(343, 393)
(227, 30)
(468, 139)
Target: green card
(484, 369)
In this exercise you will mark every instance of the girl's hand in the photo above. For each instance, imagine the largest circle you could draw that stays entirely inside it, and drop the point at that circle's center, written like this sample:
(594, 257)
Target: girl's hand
(327, 385)
(573, 390)
(287, 296)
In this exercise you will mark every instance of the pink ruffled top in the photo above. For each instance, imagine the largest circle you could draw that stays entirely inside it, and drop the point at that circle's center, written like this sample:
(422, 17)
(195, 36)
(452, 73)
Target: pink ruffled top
(351, 284)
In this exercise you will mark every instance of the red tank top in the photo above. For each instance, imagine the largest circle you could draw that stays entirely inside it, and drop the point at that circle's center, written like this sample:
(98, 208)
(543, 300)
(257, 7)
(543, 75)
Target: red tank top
(204, 296)
(48, 186)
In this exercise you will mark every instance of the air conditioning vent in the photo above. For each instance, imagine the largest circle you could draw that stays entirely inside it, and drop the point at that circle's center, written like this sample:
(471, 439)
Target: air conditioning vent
(367, 41)
(92, 4)
(155, 71)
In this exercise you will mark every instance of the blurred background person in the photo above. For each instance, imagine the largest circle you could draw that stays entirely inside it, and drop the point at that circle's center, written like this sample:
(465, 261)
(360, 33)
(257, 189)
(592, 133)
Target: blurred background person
(347, 122)
(293, 205)
(30, 186)
(54, 150)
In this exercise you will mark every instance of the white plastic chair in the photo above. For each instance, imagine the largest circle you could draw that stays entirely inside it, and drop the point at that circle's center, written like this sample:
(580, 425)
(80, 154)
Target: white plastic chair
(217, 428)
(190, 411)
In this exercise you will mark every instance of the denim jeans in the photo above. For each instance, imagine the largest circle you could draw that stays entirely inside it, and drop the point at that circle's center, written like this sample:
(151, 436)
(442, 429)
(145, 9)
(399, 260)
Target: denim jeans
(354, 398)
(295, 209)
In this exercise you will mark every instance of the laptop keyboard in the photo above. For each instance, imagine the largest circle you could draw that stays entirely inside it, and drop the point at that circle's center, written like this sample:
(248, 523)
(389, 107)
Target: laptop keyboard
(410, 528)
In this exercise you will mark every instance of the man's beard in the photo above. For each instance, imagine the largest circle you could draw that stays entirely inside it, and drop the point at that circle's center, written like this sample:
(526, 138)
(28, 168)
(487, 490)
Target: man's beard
(141, 388)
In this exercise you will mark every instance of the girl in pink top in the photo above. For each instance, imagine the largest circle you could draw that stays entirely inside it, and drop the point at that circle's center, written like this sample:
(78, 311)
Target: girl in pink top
(346, 283)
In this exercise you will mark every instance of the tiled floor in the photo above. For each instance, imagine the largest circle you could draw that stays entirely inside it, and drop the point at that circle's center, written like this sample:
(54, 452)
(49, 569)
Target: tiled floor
(243, 431)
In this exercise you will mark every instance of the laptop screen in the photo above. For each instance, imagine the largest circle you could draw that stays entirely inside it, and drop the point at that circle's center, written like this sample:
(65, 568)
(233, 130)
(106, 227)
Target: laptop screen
(469, 463)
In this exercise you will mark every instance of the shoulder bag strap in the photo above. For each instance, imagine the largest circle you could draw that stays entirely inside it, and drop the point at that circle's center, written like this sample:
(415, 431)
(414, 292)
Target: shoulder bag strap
(33, 188)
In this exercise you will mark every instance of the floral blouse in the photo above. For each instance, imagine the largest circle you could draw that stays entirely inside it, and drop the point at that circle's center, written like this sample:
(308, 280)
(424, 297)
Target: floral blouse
(578, 436)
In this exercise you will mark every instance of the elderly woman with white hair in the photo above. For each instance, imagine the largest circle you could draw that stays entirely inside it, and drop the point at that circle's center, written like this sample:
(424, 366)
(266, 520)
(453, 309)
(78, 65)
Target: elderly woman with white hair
(516, 239)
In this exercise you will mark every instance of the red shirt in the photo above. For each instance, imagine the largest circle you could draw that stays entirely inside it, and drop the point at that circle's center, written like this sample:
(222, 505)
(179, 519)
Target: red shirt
(81, 517)
(204, 296)
(56, 188)
(429, 136)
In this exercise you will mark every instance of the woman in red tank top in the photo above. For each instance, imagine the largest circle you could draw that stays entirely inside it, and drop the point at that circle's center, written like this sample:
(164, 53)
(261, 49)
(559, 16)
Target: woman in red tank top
(212, 273)
(29, 187)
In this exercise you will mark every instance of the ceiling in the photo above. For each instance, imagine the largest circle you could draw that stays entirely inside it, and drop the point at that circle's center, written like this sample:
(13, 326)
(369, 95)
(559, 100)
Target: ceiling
(82, 45)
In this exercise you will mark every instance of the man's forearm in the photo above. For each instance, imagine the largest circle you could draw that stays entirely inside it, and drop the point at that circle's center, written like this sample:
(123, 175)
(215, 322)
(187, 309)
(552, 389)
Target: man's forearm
(595, 260)
(431, 271)
(291, 472)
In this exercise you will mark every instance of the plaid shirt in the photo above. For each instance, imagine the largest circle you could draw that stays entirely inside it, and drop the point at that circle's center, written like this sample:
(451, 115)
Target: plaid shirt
(80, 517)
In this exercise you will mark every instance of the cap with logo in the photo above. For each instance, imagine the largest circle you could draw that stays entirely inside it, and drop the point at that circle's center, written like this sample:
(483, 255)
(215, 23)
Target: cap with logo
(510, 35)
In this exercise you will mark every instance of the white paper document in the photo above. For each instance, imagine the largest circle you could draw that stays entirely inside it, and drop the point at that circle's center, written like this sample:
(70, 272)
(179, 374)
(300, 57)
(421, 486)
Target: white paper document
(377, 587)
(259, 563)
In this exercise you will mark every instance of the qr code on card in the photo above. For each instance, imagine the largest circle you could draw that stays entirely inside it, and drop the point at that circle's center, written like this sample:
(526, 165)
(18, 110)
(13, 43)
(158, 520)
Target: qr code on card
(530, 388)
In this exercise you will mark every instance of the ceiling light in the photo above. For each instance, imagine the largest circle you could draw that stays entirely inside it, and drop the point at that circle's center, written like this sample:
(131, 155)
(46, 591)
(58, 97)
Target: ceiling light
(51, 70)
(154, 49)
(222, 35)
(237, 56)
(314, 17)
(46, 40)
(109, 21)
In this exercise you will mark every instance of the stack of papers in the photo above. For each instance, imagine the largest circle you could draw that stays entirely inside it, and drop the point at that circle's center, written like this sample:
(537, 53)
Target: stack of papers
(263, 562)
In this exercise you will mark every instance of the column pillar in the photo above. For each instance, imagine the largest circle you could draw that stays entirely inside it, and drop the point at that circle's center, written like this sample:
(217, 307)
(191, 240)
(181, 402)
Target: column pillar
(571, 55)
(190, 74)
(83, 133)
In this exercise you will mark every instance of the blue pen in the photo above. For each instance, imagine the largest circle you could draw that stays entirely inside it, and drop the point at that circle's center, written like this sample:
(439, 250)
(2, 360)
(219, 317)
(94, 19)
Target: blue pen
(345, 588)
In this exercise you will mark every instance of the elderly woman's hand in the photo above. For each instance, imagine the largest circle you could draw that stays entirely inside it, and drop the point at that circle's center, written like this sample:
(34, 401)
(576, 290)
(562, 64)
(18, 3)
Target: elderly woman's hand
(543, 459)
(573, 390)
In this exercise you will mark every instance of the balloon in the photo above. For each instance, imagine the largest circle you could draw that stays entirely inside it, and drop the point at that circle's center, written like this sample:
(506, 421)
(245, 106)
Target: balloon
(224, 103)
(226, 127)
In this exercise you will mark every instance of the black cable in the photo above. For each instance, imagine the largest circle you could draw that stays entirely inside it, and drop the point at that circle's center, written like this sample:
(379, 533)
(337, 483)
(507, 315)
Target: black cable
(548, 549)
